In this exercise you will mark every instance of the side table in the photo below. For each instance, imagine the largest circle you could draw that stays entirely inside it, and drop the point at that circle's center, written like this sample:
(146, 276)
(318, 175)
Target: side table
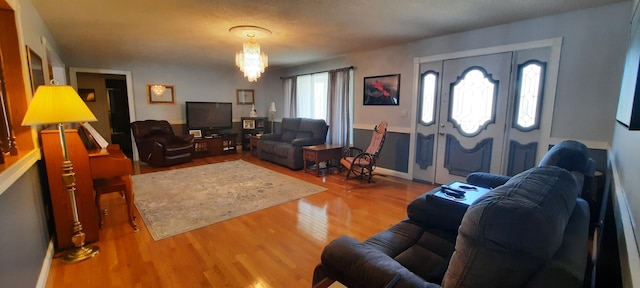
(321, 153)
(253, 143)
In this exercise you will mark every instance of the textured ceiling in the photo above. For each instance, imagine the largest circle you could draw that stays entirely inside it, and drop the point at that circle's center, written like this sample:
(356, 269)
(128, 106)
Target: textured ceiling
(196, 32)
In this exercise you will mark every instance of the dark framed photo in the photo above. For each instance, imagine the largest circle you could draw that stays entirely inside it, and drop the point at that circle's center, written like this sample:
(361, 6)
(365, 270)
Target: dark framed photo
(87, 95)
(248, 124)
(196, 133)
(382, 90)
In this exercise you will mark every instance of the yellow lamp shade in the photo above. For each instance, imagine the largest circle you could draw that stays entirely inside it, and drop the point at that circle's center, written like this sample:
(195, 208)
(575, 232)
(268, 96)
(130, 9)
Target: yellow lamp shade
(57, 104)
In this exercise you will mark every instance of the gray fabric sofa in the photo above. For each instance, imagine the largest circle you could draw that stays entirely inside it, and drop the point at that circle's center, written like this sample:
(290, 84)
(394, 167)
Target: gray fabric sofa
(529, 232)
(285, 148)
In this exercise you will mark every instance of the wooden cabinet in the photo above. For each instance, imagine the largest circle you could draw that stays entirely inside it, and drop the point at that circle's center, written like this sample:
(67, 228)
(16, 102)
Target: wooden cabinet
(252, 126)
(219, 145)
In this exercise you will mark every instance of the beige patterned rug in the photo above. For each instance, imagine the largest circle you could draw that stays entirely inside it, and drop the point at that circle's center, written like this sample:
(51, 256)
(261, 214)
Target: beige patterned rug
(176, 201)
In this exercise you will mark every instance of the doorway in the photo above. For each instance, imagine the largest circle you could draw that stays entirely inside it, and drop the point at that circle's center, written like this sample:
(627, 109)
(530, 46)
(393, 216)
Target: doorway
(113, 105)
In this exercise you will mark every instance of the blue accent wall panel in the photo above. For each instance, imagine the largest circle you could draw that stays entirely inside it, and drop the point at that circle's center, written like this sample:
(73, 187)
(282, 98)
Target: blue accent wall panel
(395, 151)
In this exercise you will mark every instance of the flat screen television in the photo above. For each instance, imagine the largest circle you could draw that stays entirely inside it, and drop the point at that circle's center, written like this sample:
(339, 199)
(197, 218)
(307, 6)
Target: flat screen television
(210, 117)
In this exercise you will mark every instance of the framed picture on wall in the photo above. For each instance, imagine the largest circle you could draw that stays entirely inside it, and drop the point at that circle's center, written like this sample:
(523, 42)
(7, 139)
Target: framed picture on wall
(382, 90)
(161, 94)
(87, 95)
(245, 96)
(36, 69)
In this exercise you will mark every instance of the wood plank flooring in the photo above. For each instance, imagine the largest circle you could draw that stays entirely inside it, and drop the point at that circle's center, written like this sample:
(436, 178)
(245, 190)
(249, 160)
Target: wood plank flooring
(275, 247)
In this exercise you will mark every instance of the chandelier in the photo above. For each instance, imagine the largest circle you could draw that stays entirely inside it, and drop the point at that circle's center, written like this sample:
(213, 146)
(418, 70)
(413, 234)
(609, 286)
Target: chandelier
(251, 60)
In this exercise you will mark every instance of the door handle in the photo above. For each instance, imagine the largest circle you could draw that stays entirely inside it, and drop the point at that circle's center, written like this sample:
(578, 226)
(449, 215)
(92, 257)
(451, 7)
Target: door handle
(442, 125)
(441, 133)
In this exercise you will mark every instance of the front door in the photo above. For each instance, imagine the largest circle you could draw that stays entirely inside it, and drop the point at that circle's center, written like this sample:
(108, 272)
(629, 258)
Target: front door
(481, 113)
(473, 111)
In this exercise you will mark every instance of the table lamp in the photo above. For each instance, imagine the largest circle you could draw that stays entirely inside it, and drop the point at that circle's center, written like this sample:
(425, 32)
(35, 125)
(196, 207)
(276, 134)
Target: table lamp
(57, 104)
(272, 109)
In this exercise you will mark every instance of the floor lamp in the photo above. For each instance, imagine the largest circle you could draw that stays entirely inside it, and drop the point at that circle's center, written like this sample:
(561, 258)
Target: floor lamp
(272, 110)
(57, 104)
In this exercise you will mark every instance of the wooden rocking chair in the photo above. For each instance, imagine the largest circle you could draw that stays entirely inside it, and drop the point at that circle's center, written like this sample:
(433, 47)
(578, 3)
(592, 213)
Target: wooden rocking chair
(362, 163)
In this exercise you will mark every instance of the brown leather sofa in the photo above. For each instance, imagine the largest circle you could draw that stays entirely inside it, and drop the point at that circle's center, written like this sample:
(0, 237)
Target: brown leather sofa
(159, 146)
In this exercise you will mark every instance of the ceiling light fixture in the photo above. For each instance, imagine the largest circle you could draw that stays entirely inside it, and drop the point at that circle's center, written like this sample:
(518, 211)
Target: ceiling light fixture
(250, 60)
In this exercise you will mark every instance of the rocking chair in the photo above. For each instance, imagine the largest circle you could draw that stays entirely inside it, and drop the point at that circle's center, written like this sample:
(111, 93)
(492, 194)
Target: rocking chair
(362, 163)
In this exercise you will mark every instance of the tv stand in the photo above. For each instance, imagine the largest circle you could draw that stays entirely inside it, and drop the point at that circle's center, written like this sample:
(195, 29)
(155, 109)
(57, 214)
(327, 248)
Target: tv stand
(215, 146)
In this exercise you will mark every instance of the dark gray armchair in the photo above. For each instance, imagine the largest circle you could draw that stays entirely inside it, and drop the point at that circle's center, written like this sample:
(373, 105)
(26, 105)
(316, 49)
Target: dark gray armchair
(569, 154)
(529, 232)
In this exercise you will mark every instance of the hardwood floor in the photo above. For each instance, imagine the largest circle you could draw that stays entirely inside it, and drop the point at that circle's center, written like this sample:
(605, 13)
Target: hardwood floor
(275, 247)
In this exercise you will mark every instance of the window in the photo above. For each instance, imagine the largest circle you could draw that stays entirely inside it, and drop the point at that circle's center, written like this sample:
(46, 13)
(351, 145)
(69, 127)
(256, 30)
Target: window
(529, 95)
(312, 95)
(472, 101)
(428, 97)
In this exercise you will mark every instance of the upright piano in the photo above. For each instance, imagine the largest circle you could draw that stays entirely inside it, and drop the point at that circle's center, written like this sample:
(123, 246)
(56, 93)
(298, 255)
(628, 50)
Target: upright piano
(89, 163)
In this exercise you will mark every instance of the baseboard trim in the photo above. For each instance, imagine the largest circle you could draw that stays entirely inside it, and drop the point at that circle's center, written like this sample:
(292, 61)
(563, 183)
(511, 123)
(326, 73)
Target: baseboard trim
(389, 172)
(46, 267)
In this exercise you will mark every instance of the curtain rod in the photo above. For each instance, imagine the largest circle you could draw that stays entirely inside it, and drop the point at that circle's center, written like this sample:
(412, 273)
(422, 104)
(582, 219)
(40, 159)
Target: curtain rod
(350, 67)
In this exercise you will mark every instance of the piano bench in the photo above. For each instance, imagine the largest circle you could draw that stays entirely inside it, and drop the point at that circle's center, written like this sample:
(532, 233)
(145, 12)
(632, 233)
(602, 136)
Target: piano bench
(110, 185)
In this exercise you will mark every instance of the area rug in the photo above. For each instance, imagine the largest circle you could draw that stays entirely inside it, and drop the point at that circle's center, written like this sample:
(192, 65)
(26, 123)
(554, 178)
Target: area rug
(176, 201)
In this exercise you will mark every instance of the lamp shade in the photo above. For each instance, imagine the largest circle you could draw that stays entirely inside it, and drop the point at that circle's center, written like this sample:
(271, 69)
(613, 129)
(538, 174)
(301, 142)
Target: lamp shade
(57, 104)
(273, 107)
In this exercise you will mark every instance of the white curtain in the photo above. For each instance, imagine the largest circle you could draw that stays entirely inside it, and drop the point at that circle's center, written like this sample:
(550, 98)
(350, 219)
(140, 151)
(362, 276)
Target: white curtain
(312, 94)
(290, 98)
(339, 105)
(324, 95)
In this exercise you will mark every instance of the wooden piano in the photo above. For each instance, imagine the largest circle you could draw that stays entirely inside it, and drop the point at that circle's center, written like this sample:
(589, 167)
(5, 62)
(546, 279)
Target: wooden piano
(89, 163)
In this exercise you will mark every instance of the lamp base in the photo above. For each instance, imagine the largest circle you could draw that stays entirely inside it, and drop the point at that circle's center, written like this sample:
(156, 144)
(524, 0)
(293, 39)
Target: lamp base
(80, 253)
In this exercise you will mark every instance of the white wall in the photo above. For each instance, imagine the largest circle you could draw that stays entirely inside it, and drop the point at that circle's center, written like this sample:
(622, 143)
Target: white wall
(589, 77)
(191, 83)
(25, 239)
(592, 54)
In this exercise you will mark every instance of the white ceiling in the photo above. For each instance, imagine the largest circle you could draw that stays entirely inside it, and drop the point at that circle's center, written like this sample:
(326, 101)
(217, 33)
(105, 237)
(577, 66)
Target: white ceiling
(196, 32)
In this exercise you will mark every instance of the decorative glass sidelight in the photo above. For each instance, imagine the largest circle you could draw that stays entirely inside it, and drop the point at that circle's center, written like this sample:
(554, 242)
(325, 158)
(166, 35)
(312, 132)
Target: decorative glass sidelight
(473, 98)
(529, 95)
(428, 97)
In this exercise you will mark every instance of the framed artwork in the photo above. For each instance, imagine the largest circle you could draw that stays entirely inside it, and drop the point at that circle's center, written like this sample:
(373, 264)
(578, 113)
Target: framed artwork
(166, 95)
(36, 69)
(196, 133)
(382, 90)
(249, 124)
(87, 95)
(245, 96)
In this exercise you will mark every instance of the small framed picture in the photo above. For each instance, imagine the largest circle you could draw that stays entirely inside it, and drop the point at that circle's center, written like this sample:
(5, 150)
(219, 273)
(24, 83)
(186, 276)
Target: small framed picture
(161, 94)
(382, 90)
(249, 124)
(196, 133)
(88, 95)
(245, 96)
